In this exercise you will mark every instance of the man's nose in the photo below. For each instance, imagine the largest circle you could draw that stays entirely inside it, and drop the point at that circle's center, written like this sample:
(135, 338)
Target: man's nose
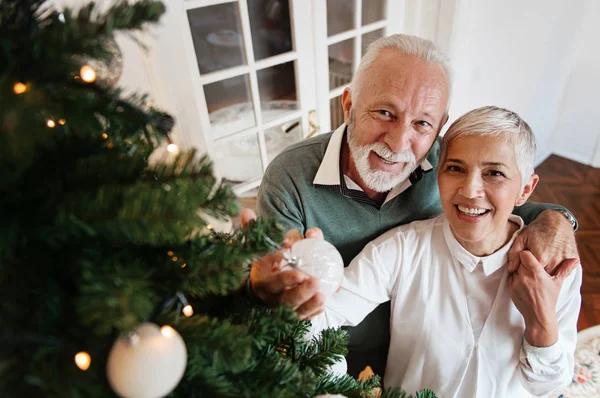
(472, 186)
(398, 138)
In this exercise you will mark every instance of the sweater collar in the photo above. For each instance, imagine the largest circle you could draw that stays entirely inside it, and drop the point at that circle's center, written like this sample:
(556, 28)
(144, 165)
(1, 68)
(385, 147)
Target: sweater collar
(490, 263)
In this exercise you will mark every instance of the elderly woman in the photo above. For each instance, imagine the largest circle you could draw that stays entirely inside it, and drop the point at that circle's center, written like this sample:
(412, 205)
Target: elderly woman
(462, 324)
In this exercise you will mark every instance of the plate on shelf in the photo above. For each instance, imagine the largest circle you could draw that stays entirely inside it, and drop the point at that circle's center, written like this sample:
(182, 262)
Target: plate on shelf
(237, 156)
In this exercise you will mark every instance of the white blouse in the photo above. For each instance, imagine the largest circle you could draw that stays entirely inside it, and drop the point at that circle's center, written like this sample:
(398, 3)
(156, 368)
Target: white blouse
(454, 327)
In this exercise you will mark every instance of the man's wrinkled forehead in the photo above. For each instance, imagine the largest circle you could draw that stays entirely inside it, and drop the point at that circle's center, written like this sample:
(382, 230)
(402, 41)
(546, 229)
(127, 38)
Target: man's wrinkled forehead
(402, 78)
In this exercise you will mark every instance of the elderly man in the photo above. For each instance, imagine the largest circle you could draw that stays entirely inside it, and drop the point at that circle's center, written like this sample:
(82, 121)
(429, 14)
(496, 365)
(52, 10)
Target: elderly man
(375, 172)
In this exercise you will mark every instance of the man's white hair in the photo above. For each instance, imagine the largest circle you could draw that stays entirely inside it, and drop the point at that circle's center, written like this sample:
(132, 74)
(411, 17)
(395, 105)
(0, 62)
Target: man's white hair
(500, 122)
(405, 44)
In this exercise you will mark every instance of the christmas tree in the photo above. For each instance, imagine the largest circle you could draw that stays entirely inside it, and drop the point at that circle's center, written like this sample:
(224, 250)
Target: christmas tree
(111, 280)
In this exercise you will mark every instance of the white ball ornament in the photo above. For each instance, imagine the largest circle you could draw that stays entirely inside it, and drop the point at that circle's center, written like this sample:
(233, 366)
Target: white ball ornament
(148, 363)
(320, 259)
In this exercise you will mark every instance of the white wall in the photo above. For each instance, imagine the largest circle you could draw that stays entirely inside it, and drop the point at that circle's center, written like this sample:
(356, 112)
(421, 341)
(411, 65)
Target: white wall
(577, 129)
(539, 58)
(515, 54)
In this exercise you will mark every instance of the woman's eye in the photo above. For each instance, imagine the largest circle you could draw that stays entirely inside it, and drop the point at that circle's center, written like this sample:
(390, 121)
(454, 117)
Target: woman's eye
(495, 173)
(453, 168)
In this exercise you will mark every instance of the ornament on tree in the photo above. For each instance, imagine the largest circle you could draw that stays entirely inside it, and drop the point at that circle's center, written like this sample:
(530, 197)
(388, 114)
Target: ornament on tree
(105, 72)
(320, 259)
(147, 363)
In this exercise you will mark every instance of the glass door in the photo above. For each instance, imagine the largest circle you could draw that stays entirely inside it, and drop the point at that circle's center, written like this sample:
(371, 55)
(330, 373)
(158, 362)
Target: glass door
(252, 74)
(343, 30)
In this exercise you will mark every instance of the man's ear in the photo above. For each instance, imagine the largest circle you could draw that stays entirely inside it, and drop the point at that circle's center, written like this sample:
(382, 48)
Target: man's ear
(444, 121)
(347, 104)
(528, 189)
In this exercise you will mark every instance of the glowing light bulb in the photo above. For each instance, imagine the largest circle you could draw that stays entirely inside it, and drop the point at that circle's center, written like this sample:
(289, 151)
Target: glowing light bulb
(19, 88)
(174, 258)
(62, 122)
(188, 311)
(88, 75)
(170, 253)
(172, 148)
(167, 331)
(83, 360)
(104, 136)
(51, 123)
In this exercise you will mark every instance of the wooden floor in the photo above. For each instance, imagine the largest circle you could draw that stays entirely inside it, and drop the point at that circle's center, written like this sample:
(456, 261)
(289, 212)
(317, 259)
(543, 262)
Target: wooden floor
(577, 187)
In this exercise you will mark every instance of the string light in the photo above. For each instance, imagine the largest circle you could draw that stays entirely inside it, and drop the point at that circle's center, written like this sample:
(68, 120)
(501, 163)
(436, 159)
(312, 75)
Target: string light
(149, 104)
(50, 123)
(183, 265)
(209, 226)
(172, 148)
(174, 258)
(88, 75)
(62, 122)
(83, 360)
(110, 144)
(170, 253)
(104, 136)
(167, 331)
(188, 311)
(19, 88)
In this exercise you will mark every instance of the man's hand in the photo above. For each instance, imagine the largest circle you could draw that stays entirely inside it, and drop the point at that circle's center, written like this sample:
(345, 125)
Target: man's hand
(535, 294)
(293, 288)
(550, 238)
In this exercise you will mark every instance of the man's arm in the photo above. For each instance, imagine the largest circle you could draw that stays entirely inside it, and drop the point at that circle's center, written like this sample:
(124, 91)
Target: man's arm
(273, 201)
(549, 235)
(529, 211)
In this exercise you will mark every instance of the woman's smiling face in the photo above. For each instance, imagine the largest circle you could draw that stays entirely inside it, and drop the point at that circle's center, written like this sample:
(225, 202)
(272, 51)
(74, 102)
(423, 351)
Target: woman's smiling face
(480, 184)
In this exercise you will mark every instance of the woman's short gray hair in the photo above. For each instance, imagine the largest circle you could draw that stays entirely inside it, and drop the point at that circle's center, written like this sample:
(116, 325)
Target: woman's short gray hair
(405, 44)
(494, 121)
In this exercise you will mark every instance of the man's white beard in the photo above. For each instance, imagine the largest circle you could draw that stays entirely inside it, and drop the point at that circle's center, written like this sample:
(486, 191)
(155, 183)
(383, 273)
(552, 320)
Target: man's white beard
(379, 180)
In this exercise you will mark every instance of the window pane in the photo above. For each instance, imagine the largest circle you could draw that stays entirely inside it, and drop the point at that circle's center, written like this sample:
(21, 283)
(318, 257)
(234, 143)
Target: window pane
(229, 105)
(336, 112)
(280, 137)
(372, 11)
(217, 37)
(340, 16)
(341, 56)
(277, 89)
(237, 158)
(369, 38)
(270, 26)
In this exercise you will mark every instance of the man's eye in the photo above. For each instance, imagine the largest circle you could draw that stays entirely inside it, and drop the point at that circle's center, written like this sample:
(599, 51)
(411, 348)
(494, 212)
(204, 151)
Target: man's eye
(423, 123)
(385, 113)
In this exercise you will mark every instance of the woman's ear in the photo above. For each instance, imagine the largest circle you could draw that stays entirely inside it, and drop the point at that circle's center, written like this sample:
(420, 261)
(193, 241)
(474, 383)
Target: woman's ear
(528, 189)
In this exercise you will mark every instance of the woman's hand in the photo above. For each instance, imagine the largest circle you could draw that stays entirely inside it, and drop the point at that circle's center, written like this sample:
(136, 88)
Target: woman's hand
(535, 294)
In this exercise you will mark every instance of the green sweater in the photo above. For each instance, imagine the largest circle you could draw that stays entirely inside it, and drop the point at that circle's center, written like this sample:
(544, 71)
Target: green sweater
(287, 193)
